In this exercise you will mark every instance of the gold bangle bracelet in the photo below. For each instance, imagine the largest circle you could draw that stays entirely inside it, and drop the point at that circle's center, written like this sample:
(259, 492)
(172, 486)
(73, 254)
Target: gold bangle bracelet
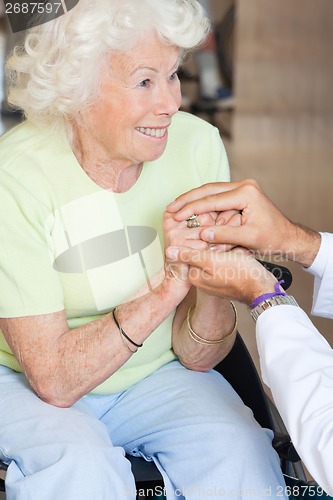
(201, 340)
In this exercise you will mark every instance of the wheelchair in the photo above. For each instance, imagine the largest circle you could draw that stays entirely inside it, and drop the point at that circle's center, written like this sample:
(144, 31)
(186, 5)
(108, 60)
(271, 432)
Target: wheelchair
(246, 382)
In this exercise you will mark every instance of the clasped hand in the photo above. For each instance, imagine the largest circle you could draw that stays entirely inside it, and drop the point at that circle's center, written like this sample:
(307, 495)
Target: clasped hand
(258, 228)
(178, 234)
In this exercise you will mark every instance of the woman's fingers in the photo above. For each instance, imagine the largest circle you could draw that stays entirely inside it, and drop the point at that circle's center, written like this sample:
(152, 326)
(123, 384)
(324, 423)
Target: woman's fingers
(189, 256)
(231, 217)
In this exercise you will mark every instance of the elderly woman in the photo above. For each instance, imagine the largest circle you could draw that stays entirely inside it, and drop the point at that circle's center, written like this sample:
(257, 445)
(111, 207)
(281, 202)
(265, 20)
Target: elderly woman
(103, 352)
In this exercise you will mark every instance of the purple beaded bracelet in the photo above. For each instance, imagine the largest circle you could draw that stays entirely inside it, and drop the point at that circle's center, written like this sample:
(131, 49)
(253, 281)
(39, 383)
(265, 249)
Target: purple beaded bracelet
(266, 296)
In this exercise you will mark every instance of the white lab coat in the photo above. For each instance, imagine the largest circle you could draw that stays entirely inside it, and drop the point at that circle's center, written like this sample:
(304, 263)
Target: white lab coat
(297, 364)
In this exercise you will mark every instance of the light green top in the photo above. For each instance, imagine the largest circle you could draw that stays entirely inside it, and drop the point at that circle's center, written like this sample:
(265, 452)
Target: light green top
(66, 243)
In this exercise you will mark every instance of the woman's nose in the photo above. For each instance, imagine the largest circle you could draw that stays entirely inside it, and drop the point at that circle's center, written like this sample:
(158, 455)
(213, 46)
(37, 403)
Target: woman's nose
(168, 100)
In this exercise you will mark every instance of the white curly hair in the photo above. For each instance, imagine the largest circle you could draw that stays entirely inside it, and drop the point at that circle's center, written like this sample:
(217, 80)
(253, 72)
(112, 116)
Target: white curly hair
(56, 72)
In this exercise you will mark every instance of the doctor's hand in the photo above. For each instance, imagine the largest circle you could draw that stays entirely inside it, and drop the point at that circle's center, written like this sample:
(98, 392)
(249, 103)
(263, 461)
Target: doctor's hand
(235, 274)
(260, 225)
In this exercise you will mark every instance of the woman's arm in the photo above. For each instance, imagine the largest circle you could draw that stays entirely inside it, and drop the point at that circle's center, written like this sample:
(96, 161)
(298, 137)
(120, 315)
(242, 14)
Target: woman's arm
(212, 318)
(62, 364)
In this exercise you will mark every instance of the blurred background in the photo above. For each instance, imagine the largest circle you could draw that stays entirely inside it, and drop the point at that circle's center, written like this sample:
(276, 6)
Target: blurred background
(275, 57)
(265, 79)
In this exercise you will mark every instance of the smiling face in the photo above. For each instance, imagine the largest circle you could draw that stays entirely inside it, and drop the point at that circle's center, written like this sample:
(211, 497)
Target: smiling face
(140, 93)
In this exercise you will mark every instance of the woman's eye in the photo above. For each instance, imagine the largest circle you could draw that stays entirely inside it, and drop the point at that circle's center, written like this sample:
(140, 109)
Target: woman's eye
(144, 83)
(174, 76)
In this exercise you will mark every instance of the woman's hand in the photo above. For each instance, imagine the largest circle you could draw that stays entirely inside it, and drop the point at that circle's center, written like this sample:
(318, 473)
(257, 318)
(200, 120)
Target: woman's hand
(177, 233)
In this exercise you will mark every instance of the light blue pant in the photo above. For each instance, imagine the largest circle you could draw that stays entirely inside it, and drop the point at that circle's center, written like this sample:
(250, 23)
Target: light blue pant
(193, 425)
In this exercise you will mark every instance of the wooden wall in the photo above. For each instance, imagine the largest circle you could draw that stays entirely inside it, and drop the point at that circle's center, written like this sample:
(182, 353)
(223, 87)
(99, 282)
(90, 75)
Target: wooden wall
(284, 60)
(283, 121)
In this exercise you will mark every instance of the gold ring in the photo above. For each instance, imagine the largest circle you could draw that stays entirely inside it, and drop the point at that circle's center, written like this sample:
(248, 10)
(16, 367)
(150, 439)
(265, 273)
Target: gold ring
(192, 221)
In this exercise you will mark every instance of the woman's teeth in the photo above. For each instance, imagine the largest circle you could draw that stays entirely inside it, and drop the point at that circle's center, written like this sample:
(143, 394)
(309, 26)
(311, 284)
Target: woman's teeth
(152, 132)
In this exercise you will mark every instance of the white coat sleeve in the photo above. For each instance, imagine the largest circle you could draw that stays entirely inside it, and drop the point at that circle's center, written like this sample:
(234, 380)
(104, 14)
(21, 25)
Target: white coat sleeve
(297, 364)
(322, 269)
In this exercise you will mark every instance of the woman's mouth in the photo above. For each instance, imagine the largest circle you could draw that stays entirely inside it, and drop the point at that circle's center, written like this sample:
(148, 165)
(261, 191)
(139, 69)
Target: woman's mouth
(153, 132)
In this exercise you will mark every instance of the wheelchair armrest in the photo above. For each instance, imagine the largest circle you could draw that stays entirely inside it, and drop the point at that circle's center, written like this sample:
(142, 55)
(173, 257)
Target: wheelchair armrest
(280, 272)
(285, 448)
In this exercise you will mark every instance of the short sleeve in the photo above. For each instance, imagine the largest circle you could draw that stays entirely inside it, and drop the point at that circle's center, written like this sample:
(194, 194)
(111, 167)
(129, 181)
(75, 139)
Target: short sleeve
(29, 284)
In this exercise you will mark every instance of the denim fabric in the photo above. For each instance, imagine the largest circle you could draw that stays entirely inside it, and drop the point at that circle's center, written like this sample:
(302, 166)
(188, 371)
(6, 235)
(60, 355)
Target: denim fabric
(193, 425)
